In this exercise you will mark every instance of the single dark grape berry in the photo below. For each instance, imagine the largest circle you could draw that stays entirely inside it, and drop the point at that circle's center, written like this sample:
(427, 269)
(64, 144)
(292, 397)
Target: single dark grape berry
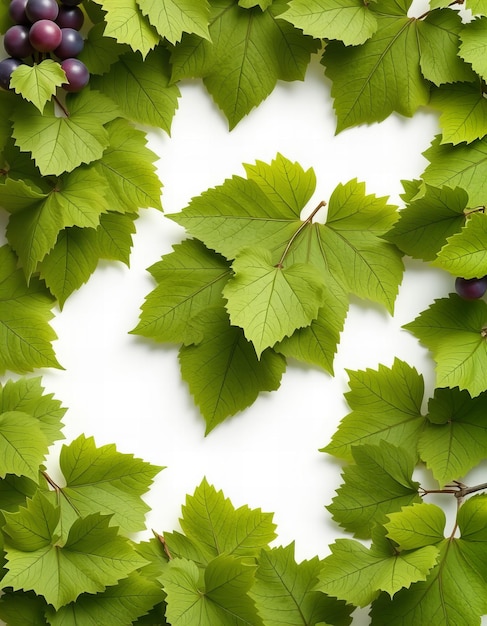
(16, 42)
(41, 10)
(77, 74)
(70, 17)
(7, 66)
(45, 35)
(71, 44)
(471, 288)
(17, 12)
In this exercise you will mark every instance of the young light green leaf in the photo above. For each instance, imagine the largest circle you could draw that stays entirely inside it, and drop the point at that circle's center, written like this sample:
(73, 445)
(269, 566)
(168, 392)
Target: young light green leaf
(211, 521)
(379, 483)
(127, 166)
(222, 369)
(270, 302)
(103, 480)
(426, 223)
(438, 37)
(381, 76)
(477, 7)
(465, 253)
(462, 166)
(474, 46)
(176, 17)
(357, 574)
(114, 236)
(463, 112)
(25, 311)
(454, 330)
(60, 144)
(142, 90)
(38, 83)
(285, 594)
(455, 435)
(247, 52)
(77, 199)
(92, 558)
(27, 396)
(190, 279)
(212, 597)
(416, 526)
(351, 21)
(126, 23)
(386, 405)
(131, 598)
(23, 445)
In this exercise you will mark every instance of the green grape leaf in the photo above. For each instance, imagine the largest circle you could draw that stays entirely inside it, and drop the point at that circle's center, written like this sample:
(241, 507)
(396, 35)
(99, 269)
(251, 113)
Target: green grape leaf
(25, 310)
(386, 405)
(379, 483)
(426, 223)
(114, 236)
(23, 445)
(264, 211)
(222, 369)
(284, 591)
(247, 52)
(92, 558)
(350, 21)
(465, 253)
(454, 438)
(106, 481)
(76, 200)
(455, 590)
(317, 343)
(38, 83)
(5, 21)
(126, 23)
(477, 7)
(33, 526)
(357, 574)
(462, 166)
(18, 195)
(438, 38)
(189, 280)
(100, 52)
(8, 101)
(176, 17)
(27, 396)
(14, 491)
(474, 46)
(416, 526)
(270, 302)
(60, 144)
(127, 165)
(453, 330)
(249, 4)
(22, 609)
(381, 76)
(129, 599)
(212, 597)
(211, 522)
(463, 112)
(142, 90)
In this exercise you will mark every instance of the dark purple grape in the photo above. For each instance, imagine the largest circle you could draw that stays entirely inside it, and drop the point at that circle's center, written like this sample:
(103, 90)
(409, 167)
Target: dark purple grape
(16, 42)
(76, 73)
(71, 44)
(71, 3)
(41, 10)
(471, 288)
(17, 12)
(70, 17)
(45, 35)
(7, 66)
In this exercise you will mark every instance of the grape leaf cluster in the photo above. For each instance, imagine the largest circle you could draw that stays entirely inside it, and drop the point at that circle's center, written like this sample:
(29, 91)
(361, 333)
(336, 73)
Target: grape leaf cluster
(260, 283)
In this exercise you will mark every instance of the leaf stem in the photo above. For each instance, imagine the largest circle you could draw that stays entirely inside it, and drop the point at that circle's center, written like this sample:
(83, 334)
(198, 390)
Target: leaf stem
(59, 492)
(307, 221)
(161, 539)
(61, 106)
(458, 489)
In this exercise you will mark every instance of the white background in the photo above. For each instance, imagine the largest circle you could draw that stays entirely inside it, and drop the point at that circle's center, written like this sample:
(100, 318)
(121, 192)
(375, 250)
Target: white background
(127, 390)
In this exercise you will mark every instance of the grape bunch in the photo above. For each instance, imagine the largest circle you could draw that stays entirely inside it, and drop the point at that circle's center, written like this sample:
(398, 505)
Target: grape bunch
(471, 288)
(43, 28)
